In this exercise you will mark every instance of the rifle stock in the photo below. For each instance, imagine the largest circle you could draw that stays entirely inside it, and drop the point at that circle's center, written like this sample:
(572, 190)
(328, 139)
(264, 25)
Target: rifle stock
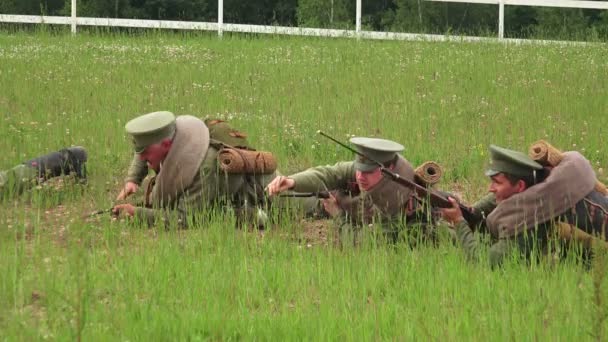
(437, 200)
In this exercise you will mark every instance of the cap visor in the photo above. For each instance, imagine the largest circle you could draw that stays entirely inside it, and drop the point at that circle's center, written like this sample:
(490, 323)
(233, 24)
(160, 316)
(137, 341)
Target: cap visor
(363, 167)
(491, 173)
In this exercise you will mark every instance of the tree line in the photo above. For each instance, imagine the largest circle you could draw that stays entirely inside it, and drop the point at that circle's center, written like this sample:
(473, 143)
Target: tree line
(415, 16)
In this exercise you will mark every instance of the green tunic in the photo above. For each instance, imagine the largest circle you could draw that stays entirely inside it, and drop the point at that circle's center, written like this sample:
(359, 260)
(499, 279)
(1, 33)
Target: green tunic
(522, 244)
(210, 188)
(469, 242)
(361, 211)
(338, 176)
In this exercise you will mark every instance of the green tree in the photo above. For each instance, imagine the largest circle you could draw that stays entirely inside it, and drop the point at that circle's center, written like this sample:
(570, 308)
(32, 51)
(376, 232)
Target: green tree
(377, 15)
(411, 16)
(188, 10)
(561, 23)
(31, 7)
(326, 13)
(100, 9)
(260, 12)
(520, 21)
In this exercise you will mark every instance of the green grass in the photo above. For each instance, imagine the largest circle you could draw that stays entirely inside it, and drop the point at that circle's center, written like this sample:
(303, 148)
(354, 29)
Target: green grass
(65, 278)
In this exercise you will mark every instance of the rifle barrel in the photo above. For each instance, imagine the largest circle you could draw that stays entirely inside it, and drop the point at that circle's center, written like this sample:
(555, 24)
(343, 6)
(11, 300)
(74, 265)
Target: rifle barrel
(318, 194)
(99, 212)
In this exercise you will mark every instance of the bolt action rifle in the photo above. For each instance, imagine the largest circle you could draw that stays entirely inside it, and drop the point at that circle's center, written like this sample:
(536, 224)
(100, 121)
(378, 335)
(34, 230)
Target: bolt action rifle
(437, 200)
(98, 212)
(108, 211)
(317, 194)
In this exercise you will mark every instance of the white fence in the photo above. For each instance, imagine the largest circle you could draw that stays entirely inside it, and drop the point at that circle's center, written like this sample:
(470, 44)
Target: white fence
(541, 3)
(220, 27)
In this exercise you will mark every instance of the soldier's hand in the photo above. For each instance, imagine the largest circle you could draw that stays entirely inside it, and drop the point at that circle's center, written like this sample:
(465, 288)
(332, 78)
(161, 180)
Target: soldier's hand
(127, 190)
(279, 184)
(126, 208)
(453, 214)
(331, 206)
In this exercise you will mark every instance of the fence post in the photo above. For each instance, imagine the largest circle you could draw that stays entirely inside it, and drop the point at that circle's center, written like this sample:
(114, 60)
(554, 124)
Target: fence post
(73, 9)
(220, 17)
(358, 19)
(501, 19)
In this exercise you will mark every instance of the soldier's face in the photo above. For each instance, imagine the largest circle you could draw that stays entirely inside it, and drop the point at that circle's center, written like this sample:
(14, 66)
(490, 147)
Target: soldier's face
(155, 154)
(368, 180)
(502, 188)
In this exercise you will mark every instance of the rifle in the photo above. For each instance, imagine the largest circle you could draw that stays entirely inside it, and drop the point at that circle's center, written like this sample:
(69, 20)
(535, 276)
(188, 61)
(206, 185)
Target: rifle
(436, 199)
(99, 212)
(317, 194)
(107, 211)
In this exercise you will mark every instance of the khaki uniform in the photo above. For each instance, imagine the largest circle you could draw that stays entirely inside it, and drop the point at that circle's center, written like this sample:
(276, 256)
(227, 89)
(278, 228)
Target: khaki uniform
(190, 182)
(588, 215)
(361, 209)
(527, 223)
(210, 188)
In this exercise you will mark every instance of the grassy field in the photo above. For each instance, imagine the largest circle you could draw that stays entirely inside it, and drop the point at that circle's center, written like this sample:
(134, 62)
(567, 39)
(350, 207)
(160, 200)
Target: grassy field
(62, 277)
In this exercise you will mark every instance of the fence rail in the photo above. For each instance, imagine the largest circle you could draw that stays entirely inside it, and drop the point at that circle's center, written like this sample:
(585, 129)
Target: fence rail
(220, 26)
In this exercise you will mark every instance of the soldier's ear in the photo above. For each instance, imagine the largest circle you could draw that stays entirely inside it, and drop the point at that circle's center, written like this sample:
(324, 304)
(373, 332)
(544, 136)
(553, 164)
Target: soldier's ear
(166, 143)
(521, 186)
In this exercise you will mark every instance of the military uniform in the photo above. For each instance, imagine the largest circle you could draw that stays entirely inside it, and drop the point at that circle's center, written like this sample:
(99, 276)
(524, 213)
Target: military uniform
(532, 231)
(190, 180)
(387, 204)
(63, 162)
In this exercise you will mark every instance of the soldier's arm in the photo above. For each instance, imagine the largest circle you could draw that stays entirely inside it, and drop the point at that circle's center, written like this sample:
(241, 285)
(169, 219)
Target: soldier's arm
(179, 214)
(155, 216)
(482, 208)
(204, 190)
(137, 170)
(471, 245)
(486, 204)
(467, 240)
(147, 215)
(324, 177)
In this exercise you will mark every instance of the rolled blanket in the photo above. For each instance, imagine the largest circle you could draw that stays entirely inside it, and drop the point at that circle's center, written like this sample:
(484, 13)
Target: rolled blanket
(233, 160)
(428, 174)
(547, 155)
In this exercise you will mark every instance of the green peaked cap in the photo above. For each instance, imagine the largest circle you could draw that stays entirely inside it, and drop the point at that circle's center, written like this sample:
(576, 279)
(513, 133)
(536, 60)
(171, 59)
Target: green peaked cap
(151, 128)
(511, 162)
(381, 150)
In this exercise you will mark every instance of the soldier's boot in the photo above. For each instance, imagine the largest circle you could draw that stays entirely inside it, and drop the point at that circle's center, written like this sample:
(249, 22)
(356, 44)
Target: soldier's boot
(63, 162)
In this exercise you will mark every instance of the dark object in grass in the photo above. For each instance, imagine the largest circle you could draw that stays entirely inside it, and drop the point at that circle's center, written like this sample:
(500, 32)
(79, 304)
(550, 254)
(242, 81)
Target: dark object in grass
(63, 162)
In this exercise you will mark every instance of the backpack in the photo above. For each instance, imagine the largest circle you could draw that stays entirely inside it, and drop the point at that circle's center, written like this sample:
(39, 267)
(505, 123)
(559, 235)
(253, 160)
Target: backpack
(236, 155)
(221, 133)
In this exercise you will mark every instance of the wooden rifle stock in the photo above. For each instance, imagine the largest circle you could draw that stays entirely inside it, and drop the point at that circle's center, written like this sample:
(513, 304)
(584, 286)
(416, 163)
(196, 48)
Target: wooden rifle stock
(435, 199)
